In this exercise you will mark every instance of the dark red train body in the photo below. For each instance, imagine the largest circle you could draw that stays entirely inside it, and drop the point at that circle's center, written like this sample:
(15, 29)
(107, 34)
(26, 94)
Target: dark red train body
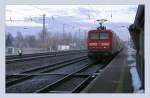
(103, 43)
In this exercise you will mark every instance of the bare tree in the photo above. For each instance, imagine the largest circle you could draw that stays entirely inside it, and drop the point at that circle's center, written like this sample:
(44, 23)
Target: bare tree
(31, 41)
(9, 40)
(43, 39)
(20, 42)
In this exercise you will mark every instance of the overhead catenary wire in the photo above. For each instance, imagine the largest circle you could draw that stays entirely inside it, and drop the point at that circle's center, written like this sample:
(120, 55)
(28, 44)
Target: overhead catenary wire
(31, 19)
(53, 18)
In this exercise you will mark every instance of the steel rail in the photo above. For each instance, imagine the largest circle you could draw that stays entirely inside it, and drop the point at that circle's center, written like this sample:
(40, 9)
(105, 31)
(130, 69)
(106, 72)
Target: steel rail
(40, 54)
(60, 65)
(21, 59)
(58, 82)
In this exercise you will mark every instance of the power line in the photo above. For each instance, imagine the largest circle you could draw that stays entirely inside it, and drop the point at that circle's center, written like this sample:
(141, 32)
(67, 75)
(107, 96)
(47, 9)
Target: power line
(52, 17)
(96, 13)
(45, 12)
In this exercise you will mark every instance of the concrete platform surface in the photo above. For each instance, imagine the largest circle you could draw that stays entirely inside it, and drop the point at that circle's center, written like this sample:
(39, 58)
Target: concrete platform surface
(115, 78)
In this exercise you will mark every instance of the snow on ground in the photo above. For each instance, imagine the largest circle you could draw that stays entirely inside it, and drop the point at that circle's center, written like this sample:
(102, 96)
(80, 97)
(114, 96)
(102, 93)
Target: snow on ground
(136, 82)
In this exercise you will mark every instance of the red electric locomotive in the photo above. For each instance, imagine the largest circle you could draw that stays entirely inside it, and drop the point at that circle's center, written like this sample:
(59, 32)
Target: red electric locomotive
(103, 42)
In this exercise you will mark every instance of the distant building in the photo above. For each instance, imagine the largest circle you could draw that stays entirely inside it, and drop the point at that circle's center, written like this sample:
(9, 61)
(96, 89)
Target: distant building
(63, 47)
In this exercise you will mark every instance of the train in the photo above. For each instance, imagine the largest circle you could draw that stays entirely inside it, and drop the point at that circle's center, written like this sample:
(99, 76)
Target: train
(103, 43)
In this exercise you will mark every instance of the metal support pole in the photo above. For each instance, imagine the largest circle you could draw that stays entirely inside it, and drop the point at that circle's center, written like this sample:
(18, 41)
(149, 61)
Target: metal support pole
(44, 31)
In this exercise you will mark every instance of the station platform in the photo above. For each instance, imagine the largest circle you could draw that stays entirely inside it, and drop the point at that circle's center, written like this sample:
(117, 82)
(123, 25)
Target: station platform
(115, 78)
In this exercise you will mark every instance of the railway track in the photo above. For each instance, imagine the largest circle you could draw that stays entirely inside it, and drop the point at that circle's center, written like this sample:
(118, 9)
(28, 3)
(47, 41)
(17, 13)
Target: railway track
(69, 76)
(49, 87)
(13, 79)
(19, 67)
(72, 82)
(26, 57)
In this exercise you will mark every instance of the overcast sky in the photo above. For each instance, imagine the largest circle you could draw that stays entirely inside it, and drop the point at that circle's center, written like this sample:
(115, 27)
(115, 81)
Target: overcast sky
(73, 16)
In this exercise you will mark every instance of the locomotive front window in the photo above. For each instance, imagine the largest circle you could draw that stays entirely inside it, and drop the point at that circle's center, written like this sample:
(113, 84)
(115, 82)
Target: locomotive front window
(104, 36)
(95, 36)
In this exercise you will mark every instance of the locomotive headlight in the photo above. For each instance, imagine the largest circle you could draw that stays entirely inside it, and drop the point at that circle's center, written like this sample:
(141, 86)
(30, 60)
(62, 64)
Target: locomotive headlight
(92, 44)
(105, 44)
